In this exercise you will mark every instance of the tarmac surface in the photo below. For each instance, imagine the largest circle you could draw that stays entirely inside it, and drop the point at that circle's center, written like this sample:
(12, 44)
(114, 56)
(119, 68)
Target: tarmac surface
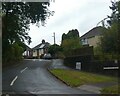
(32, 77)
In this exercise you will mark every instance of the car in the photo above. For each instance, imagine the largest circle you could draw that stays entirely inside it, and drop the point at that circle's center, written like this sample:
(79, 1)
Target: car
(47, 56)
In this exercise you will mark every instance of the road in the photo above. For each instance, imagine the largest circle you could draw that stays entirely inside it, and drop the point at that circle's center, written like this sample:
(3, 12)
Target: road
(32, 77)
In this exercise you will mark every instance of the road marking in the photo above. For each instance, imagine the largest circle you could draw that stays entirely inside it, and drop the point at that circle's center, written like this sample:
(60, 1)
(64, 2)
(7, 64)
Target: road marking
(23, 69)
(13, 81)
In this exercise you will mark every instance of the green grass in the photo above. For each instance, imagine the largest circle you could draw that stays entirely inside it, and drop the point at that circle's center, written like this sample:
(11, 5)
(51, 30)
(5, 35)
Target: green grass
(77, 78)
(111, 90)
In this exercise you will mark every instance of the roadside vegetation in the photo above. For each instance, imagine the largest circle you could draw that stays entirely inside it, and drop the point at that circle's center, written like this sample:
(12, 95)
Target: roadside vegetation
(109, 44)
(111, 90)
(16, 20)
(77, 78)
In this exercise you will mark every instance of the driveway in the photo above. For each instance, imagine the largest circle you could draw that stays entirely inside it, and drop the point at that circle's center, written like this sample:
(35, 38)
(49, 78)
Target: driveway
(32, 77)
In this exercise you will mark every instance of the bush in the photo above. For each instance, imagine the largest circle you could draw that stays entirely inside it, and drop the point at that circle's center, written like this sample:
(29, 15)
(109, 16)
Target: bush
(107, 57)
(13, 54)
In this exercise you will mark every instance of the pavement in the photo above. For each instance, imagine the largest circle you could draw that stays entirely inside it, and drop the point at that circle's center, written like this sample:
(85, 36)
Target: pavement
(57, 64)
(94, 88)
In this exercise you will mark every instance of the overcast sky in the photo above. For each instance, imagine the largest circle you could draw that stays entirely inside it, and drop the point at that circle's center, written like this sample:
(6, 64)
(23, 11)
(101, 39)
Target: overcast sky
(70, 14)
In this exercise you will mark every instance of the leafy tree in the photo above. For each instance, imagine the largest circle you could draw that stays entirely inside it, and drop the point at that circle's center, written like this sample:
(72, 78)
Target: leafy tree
(115, 16)
(16, 18)
(71, 34)
(110, 42)
(70, 41)
(54, 49)
(70, 44)
(109, 47)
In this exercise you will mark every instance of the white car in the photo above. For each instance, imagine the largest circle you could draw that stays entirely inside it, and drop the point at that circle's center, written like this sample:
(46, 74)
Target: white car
(47, 56)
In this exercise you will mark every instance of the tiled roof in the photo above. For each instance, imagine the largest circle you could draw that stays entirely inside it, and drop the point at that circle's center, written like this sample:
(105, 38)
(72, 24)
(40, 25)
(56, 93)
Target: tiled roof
(41, 46)
(27, 47)
(96, 31)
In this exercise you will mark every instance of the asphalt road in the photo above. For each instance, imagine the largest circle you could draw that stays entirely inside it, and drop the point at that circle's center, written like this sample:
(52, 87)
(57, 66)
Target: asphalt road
(32, 77)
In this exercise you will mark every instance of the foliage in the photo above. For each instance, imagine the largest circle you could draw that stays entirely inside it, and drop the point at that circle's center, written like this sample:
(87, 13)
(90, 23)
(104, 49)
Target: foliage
(70, 41)
(114, 29)
(77, 78)
(70, 35)
(54, 49)
(115, 16)
(14, 53)
(111, 90)
(70, 44)
(16, 17)
(110, 41)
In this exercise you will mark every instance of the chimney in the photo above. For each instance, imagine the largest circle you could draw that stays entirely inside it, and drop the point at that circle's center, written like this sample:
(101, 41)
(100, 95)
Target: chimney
(43, 41)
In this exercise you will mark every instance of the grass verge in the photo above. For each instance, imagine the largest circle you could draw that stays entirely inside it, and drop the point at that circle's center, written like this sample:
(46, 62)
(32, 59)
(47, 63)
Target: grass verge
(77, 78)
(111, 90)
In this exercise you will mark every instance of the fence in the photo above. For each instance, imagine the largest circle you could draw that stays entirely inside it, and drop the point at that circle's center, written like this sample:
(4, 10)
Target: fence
(89, 64)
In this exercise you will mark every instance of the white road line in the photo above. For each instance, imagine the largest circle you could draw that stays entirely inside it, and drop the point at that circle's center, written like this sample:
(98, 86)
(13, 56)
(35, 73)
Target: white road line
(13, 81)
(23, 69)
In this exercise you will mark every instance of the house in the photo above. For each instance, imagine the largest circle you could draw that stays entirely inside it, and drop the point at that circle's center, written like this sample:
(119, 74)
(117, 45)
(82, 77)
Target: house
(40, 49)
(92, 37)
(28, 52)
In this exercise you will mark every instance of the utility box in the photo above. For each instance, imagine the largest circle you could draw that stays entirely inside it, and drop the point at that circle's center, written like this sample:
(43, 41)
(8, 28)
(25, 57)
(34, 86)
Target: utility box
(78, 65)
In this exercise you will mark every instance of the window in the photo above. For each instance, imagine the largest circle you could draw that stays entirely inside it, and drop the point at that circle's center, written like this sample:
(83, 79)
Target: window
(84, 41)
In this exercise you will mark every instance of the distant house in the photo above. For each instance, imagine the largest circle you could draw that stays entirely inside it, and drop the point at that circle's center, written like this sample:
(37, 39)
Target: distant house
(92, 37)
(40, 49)
(28, 52)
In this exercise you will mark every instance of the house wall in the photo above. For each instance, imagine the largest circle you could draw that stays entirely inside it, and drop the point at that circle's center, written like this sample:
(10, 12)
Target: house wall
(26, 53)
(34, 53)
(37, 53)
(41, 51)
(93, 41)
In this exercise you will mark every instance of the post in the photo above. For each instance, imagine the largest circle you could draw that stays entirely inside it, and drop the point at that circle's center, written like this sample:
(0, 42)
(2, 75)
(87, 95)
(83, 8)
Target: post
(54, 37)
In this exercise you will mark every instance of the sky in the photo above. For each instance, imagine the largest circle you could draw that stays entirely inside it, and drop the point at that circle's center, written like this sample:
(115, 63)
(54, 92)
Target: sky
(82, 15)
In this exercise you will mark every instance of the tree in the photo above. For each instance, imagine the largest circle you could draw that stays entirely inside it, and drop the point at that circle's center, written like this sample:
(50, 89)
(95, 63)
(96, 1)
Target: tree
(54, 49)
(16, 18)
(71, 34)
(70, 44)
(115, 21)
(110, 42)
(115, 16)
(70, 41)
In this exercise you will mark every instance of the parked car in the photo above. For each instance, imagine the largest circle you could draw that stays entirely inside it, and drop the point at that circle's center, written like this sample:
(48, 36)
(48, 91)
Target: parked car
(47, 56)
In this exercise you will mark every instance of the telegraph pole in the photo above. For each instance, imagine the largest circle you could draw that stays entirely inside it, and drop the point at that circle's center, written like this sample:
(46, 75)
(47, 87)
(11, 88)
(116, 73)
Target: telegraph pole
(54, 37)
(54, 44)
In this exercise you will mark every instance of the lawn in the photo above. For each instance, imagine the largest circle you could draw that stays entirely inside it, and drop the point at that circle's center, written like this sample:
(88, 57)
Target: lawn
(77, 78)
(111, 90)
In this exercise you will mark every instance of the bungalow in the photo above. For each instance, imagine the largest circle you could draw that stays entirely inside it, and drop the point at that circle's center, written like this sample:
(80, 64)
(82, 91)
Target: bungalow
(92, 37)
(28, 52)
(40, 49)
